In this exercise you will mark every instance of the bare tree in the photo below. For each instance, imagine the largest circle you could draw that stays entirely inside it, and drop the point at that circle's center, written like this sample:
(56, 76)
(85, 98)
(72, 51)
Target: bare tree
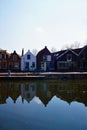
(35, 51)
(66, 46)
(74, 45)
(85, 43)
(53, 49)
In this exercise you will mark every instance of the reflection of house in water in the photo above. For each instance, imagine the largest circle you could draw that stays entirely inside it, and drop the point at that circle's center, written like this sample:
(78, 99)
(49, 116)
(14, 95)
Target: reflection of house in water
(44, 93)
(72, 91)
(28, 91)
(4, 93)
(14, 91)
(9, 90)
(66, 90)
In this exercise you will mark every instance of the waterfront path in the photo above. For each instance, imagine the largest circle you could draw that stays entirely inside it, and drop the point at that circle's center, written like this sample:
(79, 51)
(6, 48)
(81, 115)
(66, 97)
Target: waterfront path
(43, 75)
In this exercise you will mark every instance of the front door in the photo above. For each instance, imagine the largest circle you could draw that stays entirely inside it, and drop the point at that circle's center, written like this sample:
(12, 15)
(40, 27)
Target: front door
(27, 66)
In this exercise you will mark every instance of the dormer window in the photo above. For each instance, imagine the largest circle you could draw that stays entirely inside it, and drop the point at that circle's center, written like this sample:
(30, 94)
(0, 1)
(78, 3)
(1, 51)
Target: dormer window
(28, 57)
(69, 57)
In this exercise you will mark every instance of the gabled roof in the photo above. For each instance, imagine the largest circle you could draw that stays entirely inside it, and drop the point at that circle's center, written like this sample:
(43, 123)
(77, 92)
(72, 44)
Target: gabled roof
(15, 54)
(65, 51)
(83, 49)
(28, 53)
(57, 54)
(77, 50)
(44, 50)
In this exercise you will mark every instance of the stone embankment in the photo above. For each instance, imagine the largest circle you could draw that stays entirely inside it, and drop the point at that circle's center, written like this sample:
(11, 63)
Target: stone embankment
(43, 75)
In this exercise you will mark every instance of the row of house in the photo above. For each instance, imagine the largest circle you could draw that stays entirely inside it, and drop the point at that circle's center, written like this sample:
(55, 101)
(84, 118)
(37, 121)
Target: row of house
(64, 60)
(16, 62)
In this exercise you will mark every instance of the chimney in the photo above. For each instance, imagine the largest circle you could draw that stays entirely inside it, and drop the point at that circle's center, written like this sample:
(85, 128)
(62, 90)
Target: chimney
(22, 51)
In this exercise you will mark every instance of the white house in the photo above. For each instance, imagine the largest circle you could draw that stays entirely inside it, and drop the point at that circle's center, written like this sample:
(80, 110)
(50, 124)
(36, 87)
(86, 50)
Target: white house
(28, 62)
(28, 91)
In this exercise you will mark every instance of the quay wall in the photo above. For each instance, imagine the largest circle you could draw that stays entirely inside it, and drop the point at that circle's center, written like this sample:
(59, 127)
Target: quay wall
(42, 76)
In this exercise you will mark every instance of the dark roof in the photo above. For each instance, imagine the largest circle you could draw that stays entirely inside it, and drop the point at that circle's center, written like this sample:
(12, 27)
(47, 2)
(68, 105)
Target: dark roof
(15, 54)
(58, 53)
(85, 47)
(45, 50)
(77, 50)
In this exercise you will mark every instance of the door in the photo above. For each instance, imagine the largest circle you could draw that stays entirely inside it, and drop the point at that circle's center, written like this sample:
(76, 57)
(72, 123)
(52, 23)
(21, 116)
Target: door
(27, 66)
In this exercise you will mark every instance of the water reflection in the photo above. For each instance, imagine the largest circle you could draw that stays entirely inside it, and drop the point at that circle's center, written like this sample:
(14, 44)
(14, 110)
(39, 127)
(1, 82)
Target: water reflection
(66, 90)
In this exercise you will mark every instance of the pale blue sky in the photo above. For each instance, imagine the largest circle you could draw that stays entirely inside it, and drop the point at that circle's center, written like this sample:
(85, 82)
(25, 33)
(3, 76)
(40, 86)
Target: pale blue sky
(32, 24)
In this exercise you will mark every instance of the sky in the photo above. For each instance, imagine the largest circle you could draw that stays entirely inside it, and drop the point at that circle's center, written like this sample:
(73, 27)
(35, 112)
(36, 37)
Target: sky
(34, 24)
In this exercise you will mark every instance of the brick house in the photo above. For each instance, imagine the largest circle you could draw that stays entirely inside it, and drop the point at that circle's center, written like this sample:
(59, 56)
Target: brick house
(82, 59)
(72, 60)
(43, 59)
(67, 60)
(14, 63)
(4, 57)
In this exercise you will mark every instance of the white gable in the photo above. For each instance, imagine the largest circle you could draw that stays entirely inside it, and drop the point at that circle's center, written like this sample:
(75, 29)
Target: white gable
(28, 62)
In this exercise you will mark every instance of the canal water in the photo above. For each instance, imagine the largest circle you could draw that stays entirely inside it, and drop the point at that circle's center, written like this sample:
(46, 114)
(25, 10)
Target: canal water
(43, 105)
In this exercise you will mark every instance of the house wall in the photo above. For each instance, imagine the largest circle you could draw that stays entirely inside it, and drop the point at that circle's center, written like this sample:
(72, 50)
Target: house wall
(14, 63)
(82, 60)
(43, 60)
(67, 62)
(28, 91)
(26, 64)
(4, 56)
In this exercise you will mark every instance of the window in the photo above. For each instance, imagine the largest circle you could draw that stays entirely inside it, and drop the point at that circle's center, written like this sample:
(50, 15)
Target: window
(16, 66)
(28, 95)
(86, 65)
(62, 65)
(81, 65)
(28, 57)
(82, 56)
(44, 58)
(49, 58)
(86, 55)
(27, 65)
(3, 56)
(42, 65)
(33, 64)
(0, 56)
(27, 88)
(33, 88)
(0, 65)
(14, 57)
(69, 57)
(4, 65)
